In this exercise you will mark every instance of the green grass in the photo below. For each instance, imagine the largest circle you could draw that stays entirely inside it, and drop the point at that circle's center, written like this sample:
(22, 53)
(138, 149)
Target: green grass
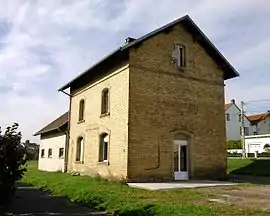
(122, 200)
(255, 167)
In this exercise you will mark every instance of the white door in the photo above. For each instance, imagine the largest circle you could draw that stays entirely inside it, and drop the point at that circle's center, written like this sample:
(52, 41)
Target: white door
(180, 160)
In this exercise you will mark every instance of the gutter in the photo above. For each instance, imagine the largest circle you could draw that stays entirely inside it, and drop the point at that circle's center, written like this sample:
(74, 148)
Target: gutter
(67, 133)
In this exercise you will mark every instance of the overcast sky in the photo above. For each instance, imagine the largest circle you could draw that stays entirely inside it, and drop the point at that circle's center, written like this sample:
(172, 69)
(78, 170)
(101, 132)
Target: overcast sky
(44, 44)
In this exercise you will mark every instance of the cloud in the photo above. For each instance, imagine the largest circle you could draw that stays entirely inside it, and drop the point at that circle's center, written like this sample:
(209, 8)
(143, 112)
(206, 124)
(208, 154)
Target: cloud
(44, 44)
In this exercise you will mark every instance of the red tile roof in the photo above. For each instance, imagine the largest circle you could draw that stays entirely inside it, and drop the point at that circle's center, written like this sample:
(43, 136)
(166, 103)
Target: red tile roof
(258, 117)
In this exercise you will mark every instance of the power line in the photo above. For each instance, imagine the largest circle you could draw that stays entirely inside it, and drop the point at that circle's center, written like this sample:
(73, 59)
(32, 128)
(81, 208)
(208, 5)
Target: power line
(253, 101)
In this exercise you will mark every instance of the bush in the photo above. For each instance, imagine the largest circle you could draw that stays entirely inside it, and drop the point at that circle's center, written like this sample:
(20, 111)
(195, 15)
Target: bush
(12, 162)
(234, 144)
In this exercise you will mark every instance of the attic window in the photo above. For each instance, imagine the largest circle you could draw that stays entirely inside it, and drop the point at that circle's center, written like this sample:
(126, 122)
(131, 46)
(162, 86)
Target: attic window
(179, 56)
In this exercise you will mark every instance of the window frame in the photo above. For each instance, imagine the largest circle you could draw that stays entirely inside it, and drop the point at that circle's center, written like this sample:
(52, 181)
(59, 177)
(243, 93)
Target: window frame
(179, 56)
(240, 117)
(42, 153)
(81, 110)
(228, 117)
(50, 153)
(102, 153)
(62, 155)
(105, 102)
(79, 155)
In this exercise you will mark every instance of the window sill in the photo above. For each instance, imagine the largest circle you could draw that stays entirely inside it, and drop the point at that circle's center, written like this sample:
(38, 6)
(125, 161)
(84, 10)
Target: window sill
(81, 121)
(106, 163)
(79, 162)
(104, 114)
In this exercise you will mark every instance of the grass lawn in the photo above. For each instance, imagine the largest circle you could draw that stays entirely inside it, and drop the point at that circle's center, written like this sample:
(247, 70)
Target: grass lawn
(255, 167)
(122, 200)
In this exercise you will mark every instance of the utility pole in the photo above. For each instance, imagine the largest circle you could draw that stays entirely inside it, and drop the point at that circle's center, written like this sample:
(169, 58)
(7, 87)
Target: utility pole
(243, 130)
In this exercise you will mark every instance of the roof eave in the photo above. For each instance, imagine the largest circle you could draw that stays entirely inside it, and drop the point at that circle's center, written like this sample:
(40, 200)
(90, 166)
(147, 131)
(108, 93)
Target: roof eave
(229, 70)
(67, 85)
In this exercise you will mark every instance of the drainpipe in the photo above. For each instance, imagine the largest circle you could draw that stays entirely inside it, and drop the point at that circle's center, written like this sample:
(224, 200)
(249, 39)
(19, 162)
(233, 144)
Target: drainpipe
(68, 132)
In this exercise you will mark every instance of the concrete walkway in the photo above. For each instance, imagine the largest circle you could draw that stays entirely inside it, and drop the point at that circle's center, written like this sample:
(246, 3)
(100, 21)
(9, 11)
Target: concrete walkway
(179, 184)
(29, 201)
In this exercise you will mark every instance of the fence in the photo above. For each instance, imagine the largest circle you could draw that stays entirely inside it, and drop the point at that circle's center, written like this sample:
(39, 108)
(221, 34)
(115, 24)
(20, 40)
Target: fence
(249, 155)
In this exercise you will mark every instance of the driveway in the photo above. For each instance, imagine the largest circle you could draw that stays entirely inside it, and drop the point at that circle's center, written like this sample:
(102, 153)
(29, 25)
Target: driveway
(30, 201)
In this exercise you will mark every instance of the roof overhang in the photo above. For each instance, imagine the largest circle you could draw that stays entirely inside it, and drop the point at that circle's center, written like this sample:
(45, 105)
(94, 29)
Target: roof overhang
(228, 70)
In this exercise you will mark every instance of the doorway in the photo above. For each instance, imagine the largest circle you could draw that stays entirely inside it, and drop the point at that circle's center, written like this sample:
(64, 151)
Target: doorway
(180, 160)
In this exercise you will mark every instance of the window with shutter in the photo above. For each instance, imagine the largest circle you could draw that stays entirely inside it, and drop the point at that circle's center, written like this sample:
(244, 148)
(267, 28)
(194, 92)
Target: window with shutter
(179, 56)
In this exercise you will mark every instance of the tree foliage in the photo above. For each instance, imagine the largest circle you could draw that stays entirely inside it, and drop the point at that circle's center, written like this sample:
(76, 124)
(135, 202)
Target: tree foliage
(12, 161)
(234, 144)
(32, 150)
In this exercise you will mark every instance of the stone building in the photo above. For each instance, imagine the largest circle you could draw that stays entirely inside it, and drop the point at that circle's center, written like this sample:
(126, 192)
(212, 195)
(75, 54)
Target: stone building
(152, 110)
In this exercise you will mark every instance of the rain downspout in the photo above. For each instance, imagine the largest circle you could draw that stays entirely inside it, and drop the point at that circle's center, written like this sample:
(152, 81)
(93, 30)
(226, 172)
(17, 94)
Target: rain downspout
(67, 133)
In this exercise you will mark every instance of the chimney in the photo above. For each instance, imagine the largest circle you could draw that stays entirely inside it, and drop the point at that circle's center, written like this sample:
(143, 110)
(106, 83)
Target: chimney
(129, 40)
(233, 101)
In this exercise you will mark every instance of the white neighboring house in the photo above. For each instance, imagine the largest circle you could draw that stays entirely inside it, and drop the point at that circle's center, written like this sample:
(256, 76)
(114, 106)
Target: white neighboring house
(52, 145)
(233, 122)
(258, 143)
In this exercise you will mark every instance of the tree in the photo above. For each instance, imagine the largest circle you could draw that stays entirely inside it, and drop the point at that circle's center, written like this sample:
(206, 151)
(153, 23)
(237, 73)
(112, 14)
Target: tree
(32, 150)
(12, 161)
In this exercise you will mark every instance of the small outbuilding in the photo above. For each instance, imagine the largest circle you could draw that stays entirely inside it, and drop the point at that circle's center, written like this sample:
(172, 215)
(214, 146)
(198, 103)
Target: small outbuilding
(52, 144)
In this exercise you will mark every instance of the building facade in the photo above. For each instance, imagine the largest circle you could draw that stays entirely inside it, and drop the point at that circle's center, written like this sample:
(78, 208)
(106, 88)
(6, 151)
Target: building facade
(53, 139)
(260, 123)
(259, 143)
(233, 122)
(142, 113)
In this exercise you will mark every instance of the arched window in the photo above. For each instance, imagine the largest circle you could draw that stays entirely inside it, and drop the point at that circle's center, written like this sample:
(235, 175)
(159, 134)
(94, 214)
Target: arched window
(105, 101)
(81, 110)
(79, 149)
(103, 147)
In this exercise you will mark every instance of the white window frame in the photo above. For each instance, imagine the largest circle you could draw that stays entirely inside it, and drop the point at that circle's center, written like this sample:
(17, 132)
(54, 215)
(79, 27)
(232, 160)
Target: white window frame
(81, 156)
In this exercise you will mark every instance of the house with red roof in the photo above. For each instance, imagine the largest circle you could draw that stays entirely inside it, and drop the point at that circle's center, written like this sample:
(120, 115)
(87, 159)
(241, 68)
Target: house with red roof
(260, 123)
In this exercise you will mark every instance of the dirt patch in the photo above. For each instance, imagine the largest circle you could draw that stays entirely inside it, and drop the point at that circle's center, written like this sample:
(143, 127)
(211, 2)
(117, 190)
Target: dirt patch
(251, 196)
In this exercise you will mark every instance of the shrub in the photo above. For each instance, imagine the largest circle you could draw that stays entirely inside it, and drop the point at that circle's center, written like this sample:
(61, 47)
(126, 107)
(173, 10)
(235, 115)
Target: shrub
(12, 162)
(234, 144)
